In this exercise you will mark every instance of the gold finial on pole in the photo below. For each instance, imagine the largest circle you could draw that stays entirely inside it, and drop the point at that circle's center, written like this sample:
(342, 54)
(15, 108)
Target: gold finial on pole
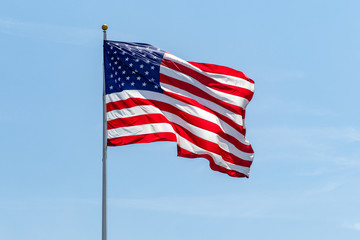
(104, 27)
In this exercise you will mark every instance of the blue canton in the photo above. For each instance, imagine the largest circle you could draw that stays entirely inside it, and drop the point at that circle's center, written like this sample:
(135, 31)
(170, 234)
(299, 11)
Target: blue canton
(131, 66)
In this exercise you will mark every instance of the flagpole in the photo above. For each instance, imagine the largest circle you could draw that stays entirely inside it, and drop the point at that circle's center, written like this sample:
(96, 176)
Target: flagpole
(104, 157)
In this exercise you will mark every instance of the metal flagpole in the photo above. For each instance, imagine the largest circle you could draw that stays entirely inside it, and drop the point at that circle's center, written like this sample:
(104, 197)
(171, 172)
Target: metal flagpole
(104, 157)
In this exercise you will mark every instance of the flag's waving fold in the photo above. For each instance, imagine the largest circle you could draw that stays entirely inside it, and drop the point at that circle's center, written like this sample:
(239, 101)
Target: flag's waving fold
(152, 95)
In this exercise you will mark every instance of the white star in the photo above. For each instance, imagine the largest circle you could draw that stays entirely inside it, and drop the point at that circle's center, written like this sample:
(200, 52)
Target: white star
(111, 47)
(146, 73)
(141, 66)
(152, 79)
(138, 78)
(148, 61)
(133, 54)
(155, 57)
(133, 72)
(119, 78)
(111, 87)
(127, 78)
(115, 73)
(109, 64)
(144, 84)
(119, 67)
(126, 59)
(115, 52)
(118, 58)
(155, 86)
(152, 67)
(115, 62)
(132, 84)
(123, 53)
(130, 64)
(111, 76)
(122, 84)
(123, 72)
(115, 81)
(137, 60)
(112, 58)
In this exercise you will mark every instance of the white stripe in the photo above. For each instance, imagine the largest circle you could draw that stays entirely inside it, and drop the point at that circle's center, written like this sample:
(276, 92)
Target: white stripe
(195, 111)
(222, 78)
(140, 129)
(185, 144)
(131, 112)
(221, 96)
(231, 80)
(123, 95)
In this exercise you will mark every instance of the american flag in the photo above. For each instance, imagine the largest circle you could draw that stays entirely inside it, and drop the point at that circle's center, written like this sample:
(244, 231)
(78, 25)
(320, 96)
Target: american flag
(152, 95)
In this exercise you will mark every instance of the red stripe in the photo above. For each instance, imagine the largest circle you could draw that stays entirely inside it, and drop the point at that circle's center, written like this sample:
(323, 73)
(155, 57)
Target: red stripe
(212, 68)
(196, 121)
(184, 153)
(144, 138)
(198, 92)
(127, 103)
(207, 81)
(136, 120)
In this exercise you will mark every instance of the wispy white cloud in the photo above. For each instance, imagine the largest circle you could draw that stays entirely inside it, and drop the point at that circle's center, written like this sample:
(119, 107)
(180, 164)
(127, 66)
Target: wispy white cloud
(260, 205)
(315, 172)
(52, 32)
(45, 31)
(322, 143)
(274, 74)
(329, 187)
(354, 226)
(352, 134)
(204, 206)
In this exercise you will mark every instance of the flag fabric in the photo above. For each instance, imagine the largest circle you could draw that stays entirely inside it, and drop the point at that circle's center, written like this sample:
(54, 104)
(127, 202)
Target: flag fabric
(152, 95)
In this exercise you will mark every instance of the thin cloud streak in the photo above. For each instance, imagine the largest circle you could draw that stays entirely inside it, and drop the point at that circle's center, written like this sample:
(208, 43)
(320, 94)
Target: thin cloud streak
(265, 205)
(54, 33)
(319, 144)
(353, 226)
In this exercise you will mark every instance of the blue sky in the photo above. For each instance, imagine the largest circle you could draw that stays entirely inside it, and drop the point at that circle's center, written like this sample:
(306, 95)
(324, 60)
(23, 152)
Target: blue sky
(303, 122)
